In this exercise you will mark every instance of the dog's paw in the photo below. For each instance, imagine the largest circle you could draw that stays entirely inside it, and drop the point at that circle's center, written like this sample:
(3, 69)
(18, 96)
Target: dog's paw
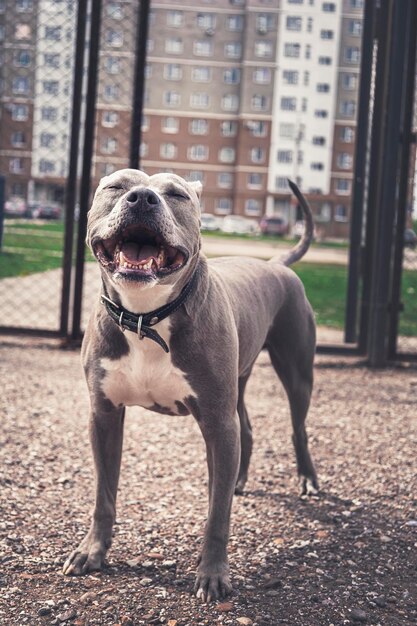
(88, 557)
(212, 583)
(309, 486)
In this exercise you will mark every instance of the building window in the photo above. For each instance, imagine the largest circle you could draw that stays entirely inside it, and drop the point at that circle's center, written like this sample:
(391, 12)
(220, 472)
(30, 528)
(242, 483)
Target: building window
(344, 161)
(168, 150)
(317, 166)
(109, 145)
(347, 134)
(206, 21)
(24, 5)
(349, 81)
(348, 108)
(234, 23)
(227, 155)
(233, 50)
(293, 23)
(225, 180)
(292, 50)
(111, 92)
(290, 77)
(16, 165)
(257, 155)
(47, 140)
(325, 213)
(321, 113)
(287, 130)
(53, 33)
(352, 54)
(319, 141)
(259, 103)
(309, 24)
(342, 186)
(114, 38)
(203, 48)
(18, 139)
(112, 65)
(288, 104)
(228, 128)
(198, 153)
(253, 207)
(326, 34)
(340, 213)
(306, 79)
(173, 45)
(329, 7)
(223, 206)
(231, 75)
(172, 71)
(263, 49)
(115, 10)
(230, 102)
(170, 125)
(172, 98)
(281, 182)
(262, 76)
(323, 87)
(198, 127)
(49, 114)
(356, 4)
(325, 60)
(46, 167)
(19, 189)
(284, 156)
(196, 176)
(52, 60)
(174, 19)
(255, 181)
(355, 28)
(264, 23)
(201, 74)
(199, 100)
(257, 128)
(109, 119)
(22, 58)
(308, 52)
(20, 85)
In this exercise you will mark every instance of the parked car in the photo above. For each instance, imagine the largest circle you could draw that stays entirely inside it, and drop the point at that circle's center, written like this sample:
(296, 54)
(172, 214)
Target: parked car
(410, 238)
(210, 222)
(15, 207)
(239, 225)
(44, 211)
(273, 226)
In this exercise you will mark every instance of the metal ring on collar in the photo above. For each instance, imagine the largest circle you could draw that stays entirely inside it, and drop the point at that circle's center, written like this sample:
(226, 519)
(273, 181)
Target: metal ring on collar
(140, 319)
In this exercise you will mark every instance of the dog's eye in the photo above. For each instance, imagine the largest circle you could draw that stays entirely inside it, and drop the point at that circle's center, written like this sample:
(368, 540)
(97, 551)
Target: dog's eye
(118, 187)
(173, 193)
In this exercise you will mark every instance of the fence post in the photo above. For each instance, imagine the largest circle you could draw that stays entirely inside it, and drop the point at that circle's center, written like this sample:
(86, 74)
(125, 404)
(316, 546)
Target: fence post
(2, 199)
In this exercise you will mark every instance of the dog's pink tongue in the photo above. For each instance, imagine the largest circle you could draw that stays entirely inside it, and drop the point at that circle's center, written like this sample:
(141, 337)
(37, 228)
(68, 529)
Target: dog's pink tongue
(135, 253)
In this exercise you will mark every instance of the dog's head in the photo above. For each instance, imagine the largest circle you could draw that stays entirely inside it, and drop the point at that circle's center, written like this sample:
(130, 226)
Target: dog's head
(145, 229)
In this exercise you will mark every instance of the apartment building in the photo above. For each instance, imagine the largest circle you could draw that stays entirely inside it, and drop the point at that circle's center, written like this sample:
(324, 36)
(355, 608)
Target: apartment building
(240, 94)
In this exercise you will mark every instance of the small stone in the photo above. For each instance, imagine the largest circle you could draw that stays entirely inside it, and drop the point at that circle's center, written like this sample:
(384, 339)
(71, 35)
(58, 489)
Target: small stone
(172, 622)
(245, 621)
(126, 621)
(381, 602)
(145, 582)
(169, 563)
(274, 583)
(272, 593)
(225, 607)
(357, 615)
(147, 564)
(385, 539)
(87, 597)
(132, 562)
(65, 617)
(44, 610)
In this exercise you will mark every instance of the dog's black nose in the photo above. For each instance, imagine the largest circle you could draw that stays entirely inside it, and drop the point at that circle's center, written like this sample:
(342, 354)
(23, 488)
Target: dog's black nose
(142, 197)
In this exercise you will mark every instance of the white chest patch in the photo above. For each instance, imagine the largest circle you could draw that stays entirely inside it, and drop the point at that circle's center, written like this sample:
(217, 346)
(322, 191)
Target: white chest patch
(146, 376)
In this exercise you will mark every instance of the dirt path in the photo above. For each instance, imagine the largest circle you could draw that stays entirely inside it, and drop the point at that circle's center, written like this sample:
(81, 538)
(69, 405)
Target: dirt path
(347, 557)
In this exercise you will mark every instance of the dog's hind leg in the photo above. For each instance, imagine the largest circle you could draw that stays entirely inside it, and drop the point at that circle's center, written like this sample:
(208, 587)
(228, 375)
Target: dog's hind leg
(293, 362)
(246, 439)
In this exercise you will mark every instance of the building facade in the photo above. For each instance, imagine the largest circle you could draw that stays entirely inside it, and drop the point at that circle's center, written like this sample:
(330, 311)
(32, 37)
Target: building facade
(240, 94)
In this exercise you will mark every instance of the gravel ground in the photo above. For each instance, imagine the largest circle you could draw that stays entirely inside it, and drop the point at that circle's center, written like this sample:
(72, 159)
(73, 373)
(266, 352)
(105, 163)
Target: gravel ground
(346, 557)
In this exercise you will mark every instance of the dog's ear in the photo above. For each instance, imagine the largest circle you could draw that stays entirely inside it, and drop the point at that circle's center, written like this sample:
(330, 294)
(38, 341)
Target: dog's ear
(197, 187)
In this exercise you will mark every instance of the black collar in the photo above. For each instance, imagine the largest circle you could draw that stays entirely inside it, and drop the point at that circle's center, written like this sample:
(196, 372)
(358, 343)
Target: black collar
(140, 323)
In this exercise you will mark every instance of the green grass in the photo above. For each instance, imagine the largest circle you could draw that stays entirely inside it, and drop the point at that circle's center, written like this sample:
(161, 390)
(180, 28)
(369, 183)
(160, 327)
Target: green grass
(30, 247)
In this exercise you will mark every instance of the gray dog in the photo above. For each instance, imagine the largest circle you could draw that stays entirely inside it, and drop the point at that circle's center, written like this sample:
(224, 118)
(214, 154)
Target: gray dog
(193, 332)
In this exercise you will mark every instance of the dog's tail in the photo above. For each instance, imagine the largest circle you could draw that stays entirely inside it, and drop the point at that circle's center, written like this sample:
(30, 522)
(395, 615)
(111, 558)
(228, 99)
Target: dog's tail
(298, 251)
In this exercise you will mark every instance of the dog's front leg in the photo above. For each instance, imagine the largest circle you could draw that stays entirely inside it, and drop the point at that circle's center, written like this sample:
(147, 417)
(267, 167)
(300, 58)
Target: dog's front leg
(222, 439)
(106, 436)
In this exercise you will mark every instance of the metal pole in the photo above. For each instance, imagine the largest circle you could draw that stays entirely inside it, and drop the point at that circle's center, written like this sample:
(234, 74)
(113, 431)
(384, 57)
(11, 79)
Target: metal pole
(139, 83)
(2, 200)
(361, 157)
(90, 116)
(71, 187)
(382, 15)
(407, 140)
(378, 345)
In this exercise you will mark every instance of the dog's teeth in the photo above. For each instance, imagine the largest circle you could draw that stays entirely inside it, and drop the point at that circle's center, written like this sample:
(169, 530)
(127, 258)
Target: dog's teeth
(125, 264)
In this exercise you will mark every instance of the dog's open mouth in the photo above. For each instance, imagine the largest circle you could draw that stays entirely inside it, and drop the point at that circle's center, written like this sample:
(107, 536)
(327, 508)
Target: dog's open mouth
(139, 253)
